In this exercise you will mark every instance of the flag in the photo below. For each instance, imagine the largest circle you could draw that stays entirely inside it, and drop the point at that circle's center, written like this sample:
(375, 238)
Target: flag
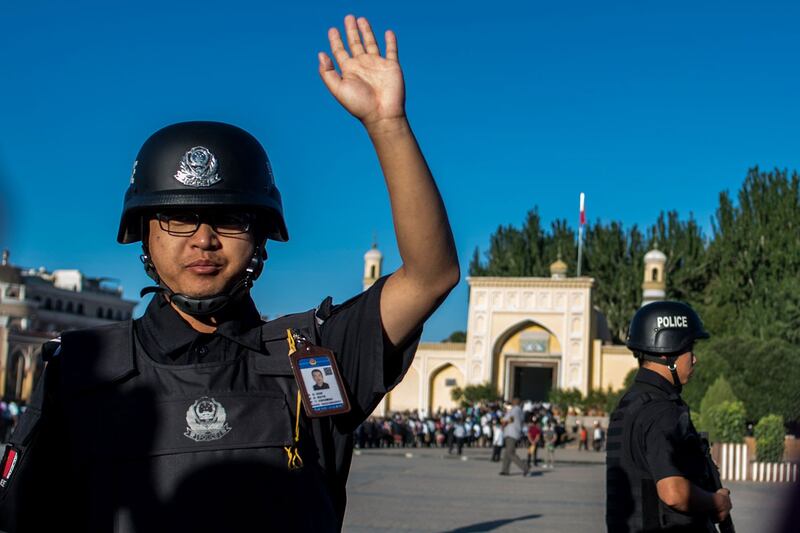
(583, 211)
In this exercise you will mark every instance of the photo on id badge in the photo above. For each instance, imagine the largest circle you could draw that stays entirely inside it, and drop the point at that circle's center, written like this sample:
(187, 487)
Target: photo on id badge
(320, 383)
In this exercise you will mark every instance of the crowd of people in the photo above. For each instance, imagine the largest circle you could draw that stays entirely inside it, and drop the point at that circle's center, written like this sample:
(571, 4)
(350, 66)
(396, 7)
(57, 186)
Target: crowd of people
(479, 426)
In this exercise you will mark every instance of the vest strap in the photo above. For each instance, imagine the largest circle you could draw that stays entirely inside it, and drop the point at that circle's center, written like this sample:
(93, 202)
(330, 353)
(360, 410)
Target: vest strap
(295, 462)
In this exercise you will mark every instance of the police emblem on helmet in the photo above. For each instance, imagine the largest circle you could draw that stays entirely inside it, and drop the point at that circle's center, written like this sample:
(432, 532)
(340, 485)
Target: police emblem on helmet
(206, 420)
(198, 168)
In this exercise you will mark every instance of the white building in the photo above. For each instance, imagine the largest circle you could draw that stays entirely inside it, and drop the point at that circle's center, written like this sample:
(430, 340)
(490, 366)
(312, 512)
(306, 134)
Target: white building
(36, 306)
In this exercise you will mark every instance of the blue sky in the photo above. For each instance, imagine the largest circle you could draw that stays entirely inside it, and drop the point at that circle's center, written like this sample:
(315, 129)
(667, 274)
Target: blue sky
(644, 106)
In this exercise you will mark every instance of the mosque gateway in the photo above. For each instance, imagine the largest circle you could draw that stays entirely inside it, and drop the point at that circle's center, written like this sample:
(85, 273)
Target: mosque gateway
(525, 336)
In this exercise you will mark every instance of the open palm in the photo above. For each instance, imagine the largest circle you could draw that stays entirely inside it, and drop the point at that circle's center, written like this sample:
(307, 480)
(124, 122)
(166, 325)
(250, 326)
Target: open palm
(368, 85)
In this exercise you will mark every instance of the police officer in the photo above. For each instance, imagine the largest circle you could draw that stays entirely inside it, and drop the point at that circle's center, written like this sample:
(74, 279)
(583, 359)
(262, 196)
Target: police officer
(657, 470)
(190, 418)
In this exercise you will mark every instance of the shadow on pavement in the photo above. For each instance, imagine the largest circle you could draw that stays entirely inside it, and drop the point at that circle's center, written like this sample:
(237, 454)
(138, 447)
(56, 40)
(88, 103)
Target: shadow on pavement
(491, 525)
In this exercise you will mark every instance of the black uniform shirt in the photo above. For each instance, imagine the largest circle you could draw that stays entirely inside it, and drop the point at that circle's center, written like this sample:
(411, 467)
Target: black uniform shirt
(664, 430)
(169, 339)
(69, 401)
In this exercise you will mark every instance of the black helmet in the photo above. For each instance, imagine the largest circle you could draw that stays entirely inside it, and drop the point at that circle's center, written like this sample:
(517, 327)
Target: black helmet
(664, 328)
(661, 331)
(202, 164)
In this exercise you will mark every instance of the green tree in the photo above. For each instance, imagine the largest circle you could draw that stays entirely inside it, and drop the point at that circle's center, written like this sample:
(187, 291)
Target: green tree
(476, 267)
(763, 374)
(457, 394)
(770, 439)
(595, 400)
(712, 362)
(718, 393)
(472, 394)
(725, 422)
(754, 260)
(565, 398)
(457, 336)
(527, 251)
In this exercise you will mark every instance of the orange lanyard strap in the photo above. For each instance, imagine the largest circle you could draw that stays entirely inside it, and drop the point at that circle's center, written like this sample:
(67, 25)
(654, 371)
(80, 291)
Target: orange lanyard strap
(295, 462)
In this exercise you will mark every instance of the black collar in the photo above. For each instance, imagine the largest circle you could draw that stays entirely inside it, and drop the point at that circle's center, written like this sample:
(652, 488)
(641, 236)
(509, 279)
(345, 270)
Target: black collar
(170, 332)
(654, 379)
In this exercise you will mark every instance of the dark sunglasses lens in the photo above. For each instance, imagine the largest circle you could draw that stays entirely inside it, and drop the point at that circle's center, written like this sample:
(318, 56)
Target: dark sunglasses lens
(178, 223)
(232, 223)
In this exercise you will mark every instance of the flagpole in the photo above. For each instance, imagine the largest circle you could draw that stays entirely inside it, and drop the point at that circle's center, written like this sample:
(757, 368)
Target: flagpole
(580, 235)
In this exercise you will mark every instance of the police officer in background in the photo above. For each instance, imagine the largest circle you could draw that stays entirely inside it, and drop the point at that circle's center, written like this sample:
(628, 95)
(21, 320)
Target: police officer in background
(190, 419)
(657, 466)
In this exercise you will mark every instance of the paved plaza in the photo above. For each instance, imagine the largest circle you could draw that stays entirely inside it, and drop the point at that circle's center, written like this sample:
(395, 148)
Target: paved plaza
(428, 490)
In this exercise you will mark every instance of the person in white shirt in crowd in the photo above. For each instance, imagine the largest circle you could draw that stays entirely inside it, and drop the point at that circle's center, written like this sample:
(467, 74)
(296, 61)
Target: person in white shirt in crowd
(486, 431)
(459, 433)
(512, 433)
(476, 434)
(598, 437)
(497, 441)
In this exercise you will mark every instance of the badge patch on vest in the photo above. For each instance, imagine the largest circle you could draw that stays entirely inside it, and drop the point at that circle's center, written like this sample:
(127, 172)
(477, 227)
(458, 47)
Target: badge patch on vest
(206, 420)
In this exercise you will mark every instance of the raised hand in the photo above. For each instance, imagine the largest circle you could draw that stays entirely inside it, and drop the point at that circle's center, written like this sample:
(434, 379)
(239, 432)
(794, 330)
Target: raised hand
(368, 85)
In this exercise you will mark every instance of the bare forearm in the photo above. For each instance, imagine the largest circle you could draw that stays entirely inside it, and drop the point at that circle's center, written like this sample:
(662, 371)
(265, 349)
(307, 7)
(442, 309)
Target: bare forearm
(372, 89)
(424, 238)
(684, 496)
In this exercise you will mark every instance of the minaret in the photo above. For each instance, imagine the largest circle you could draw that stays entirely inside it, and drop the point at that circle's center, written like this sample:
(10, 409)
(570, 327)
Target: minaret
(558, 269)
(373, 260)
(654, 287)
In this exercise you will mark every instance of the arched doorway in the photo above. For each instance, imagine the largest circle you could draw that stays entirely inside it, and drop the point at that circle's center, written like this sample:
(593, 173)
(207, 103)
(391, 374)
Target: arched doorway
(442, 382)
(526, 362)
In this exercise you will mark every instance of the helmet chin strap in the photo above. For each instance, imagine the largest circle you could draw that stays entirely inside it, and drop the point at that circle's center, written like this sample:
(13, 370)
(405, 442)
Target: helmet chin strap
(671, 363)
(208, 305)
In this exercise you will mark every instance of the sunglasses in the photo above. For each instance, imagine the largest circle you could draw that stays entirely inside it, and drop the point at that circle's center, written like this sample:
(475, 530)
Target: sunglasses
(186, 223)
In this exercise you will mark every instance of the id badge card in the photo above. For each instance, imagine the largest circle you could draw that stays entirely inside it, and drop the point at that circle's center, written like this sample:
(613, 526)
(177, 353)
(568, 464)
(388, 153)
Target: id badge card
(318, 379)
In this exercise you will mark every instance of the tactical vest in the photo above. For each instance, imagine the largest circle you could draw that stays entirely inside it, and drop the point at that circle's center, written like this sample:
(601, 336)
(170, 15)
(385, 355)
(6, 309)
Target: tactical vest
(205, 447)
(632, 502)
